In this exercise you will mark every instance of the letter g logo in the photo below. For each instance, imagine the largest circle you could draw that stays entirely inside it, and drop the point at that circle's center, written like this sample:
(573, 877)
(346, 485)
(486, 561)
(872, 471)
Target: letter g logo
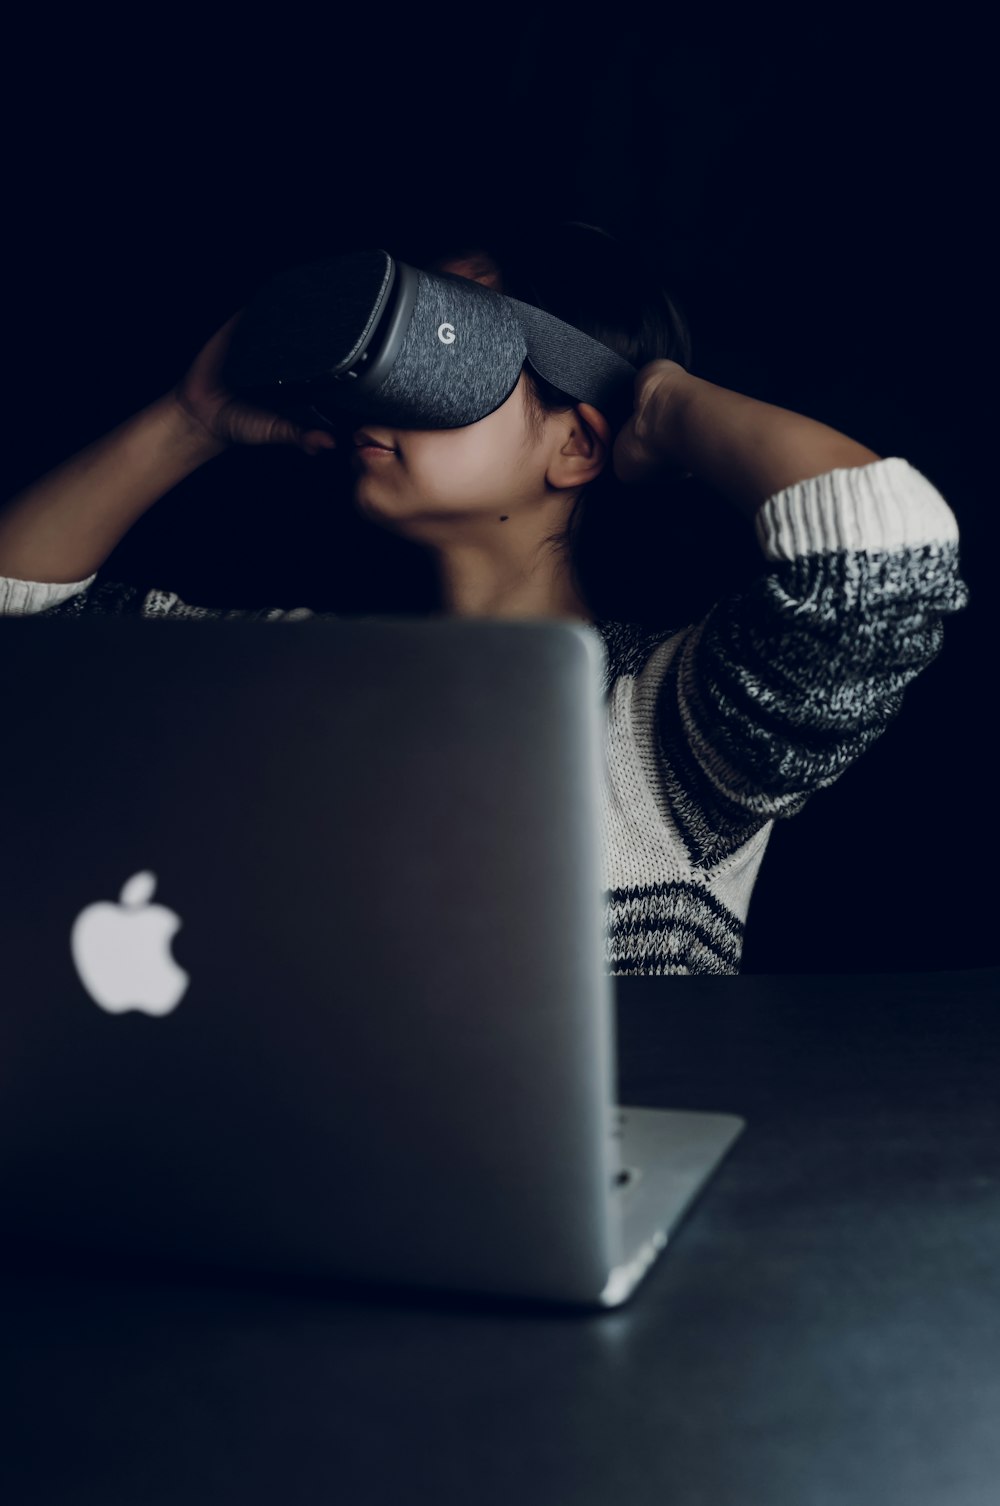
(446, 334)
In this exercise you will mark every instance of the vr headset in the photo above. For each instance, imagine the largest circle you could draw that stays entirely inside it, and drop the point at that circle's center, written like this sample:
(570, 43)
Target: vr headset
(363, 336)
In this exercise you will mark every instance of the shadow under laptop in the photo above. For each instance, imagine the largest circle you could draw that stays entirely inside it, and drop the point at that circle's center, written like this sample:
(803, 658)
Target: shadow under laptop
(94, 1269)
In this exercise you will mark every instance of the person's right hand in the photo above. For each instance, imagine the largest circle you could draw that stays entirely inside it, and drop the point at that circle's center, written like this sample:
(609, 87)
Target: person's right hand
(227, 419)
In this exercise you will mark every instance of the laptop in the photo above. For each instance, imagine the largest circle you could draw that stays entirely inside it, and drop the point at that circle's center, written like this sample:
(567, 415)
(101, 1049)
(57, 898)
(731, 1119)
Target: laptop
(303, 957)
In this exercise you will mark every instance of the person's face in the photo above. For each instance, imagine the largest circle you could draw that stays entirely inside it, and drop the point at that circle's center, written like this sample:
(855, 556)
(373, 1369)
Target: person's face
(485, 468)
(493, 469)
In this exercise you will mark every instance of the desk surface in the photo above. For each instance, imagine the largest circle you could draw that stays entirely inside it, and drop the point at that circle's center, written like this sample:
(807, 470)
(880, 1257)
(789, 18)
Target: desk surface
(823, 1331)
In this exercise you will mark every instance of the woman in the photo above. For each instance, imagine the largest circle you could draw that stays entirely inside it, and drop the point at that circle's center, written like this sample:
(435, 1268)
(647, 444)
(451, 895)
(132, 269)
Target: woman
(715, 729)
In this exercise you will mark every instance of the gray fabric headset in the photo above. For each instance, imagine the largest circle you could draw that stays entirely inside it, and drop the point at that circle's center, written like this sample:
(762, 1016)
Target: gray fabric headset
(366, 335)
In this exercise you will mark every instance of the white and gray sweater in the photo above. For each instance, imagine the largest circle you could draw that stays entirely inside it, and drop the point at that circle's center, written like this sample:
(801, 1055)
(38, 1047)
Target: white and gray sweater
(716, 730)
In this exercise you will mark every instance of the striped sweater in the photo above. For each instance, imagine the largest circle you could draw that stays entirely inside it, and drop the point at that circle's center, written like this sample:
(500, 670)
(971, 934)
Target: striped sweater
(716, 730)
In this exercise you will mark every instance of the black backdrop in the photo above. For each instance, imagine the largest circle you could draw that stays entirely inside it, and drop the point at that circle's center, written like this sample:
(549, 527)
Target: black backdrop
(822, 206)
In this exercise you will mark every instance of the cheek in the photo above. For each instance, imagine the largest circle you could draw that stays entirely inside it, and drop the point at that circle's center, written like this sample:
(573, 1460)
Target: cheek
(461, 464)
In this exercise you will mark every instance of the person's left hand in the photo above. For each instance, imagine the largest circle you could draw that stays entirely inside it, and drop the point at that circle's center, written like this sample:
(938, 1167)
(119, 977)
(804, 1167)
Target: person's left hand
(647, 444)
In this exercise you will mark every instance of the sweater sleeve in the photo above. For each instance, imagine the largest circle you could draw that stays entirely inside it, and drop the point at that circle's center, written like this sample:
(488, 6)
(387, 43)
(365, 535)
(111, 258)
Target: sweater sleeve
(782, 686)
(92, 597)
(23, 598)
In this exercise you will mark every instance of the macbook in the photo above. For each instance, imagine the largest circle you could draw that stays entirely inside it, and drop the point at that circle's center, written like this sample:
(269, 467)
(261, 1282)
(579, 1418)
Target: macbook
(303, 960)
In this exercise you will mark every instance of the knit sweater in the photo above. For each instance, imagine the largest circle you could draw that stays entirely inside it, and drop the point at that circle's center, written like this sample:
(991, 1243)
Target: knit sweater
(716, 730)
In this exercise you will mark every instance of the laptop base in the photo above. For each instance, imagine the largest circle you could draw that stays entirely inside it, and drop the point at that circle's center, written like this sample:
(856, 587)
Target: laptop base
(667, 1156)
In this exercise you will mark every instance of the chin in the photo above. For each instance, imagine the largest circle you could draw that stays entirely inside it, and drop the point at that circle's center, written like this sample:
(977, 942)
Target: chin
(378, 516)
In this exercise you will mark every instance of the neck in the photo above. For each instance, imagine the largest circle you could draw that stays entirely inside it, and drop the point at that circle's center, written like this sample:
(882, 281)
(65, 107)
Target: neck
(470, 590)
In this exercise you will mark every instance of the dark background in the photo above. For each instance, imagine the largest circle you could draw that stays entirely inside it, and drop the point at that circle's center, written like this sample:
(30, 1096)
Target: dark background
(821, 208)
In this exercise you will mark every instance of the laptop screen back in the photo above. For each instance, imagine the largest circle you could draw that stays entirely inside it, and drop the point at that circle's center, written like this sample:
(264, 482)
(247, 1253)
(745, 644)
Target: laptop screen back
(335, 886)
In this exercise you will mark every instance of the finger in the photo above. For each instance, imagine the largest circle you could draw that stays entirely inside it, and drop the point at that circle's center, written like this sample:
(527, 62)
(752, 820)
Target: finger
(314, 441)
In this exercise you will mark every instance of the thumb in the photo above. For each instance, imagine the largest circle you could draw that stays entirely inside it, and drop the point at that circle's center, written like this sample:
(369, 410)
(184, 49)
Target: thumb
(315, 441)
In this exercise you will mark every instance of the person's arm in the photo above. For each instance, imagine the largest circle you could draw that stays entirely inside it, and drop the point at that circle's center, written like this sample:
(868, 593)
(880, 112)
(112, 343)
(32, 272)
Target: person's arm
(748, 450)
(783, 685)
(63, 527)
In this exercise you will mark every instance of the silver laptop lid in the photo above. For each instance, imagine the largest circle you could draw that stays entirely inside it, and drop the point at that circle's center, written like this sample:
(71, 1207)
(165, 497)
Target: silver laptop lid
(392, 1055)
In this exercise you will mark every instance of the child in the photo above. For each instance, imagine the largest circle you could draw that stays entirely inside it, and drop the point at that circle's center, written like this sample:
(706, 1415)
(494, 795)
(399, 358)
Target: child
(714, 730)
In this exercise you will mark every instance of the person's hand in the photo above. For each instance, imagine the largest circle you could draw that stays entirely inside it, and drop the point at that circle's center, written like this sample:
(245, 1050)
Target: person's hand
(227, 419)
(647, 444)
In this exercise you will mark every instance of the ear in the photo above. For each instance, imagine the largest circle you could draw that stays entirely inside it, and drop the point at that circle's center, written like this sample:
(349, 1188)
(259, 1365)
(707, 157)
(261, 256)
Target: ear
(586, 448)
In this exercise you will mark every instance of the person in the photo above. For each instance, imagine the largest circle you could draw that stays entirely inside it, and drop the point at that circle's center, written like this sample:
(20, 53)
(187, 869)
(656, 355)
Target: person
(715, 728)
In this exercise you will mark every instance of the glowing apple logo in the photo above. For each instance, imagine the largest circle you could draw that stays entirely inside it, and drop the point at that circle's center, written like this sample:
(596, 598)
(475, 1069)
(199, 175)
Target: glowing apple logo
(122, 952)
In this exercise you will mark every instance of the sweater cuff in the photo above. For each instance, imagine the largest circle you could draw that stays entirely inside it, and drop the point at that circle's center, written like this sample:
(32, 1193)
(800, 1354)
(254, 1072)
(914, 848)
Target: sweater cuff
(23, 597)
(887, 504)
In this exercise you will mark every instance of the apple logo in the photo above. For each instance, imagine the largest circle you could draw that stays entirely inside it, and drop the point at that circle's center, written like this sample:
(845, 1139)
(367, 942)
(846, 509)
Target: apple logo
(122, 952)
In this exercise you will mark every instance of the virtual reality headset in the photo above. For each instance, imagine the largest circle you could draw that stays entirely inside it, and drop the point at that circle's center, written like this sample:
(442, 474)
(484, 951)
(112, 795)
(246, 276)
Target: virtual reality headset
(365, 337)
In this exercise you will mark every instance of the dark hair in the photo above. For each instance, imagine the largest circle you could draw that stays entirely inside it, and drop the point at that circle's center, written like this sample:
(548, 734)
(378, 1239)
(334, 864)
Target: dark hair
(611, 287)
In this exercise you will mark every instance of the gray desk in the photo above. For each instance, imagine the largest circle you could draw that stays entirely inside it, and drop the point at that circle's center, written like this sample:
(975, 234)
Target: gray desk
(824, 1331)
